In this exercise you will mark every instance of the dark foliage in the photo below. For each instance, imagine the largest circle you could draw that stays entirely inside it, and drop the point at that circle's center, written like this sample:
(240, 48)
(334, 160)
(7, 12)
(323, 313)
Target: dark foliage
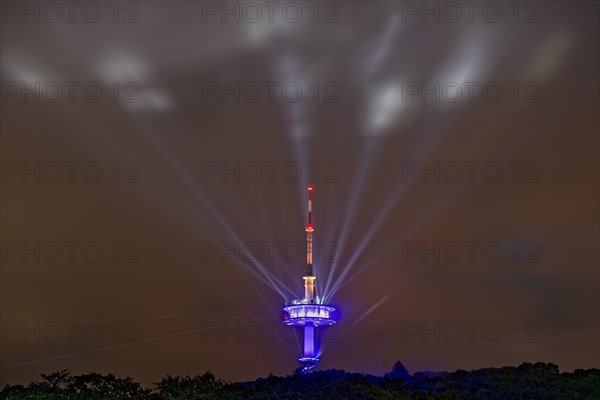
(537, 381)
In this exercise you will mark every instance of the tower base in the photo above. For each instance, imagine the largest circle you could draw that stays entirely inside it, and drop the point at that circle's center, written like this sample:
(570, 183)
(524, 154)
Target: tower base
(308, 363)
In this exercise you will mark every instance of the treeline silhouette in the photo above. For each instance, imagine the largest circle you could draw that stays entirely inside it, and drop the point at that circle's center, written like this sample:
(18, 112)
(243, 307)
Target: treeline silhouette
(539, 381)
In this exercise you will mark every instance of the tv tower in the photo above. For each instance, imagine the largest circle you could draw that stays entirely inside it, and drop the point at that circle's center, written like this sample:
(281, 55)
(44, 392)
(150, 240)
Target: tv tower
(309, 312)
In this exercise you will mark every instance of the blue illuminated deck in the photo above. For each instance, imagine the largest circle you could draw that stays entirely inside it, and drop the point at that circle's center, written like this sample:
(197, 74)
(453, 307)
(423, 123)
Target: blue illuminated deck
(313, 314)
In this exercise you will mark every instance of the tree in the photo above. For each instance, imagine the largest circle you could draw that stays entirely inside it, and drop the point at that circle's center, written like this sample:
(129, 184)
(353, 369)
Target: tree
(398, 371)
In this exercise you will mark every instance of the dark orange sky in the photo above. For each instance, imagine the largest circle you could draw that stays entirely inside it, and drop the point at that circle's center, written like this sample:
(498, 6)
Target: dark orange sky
(155, 155)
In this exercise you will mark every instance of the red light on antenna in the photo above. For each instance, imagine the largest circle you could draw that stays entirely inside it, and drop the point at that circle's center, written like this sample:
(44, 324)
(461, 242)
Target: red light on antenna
(310, 188)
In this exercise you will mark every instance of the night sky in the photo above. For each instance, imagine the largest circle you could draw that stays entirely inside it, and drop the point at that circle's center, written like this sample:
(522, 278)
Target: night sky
(155, 157)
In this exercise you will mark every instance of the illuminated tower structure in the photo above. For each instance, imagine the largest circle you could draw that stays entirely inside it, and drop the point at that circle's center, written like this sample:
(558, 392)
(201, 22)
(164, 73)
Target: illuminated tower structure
(309, 312)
